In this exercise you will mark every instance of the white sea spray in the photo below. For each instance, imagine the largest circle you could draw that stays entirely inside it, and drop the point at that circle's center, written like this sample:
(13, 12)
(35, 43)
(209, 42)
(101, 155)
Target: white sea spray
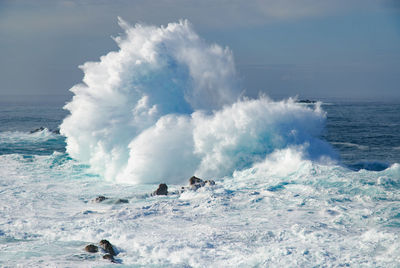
(168, 105)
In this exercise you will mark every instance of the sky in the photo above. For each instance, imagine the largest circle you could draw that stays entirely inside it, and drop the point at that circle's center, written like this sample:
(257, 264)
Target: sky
(328, 50)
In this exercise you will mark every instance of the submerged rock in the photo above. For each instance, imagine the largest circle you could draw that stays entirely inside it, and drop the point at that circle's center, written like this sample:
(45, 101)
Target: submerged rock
(306, 101)
(102, 198)
(121, 201)
(92, 248)
(109, 257)
(107, 247)
(36, 130)
(161, 190)
(210, 182)
(54, 131)
(99, 199)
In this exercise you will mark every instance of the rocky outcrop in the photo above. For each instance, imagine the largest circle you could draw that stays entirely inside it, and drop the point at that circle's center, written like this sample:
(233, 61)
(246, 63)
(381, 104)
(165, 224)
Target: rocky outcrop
(107, 247)
(54, 131)
(307, 101)
(37, 130)
(109, 257)
(99, 199)
(102, 198)
(92, 248)
(195, 183)
(161, 190)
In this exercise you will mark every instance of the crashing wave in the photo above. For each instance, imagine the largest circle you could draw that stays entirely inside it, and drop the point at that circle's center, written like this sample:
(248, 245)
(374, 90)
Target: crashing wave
(167, 106)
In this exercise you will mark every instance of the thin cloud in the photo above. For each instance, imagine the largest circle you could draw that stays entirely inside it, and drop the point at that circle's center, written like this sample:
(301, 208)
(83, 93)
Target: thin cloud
(42, 15)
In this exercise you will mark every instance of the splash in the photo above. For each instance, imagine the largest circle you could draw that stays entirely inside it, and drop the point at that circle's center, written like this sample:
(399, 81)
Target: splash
(167, 105)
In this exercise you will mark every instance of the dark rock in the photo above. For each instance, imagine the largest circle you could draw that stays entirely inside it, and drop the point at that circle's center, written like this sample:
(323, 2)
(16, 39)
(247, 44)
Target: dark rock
(37, 130)
(194, 180)
(195, 183)
(121, 201)
(109, 257)
(306, 101)
(56, 131)
(162, 190)
(107, 247)
(100, 199)
(91, 248)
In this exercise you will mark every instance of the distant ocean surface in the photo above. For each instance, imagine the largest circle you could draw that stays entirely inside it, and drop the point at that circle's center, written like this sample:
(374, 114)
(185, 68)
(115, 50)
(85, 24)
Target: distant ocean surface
(366, 135)
(296, 185)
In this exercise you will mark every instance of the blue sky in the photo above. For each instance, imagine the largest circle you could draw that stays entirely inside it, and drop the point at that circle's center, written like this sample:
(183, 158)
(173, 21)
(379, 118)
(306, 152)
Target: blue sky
(310, 48)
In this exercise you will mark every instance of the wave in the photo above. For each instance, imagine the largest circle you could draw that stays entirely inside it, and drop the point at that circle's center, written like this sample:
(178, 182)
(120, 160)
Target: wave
(38, 142)
(370, 165)
(167, 106)
(19, 136)
(349, 144)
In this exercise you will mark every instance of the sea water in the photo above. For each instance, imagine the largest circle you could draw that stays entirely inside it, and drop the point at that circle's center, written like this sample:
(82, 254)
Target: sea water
(297, 185)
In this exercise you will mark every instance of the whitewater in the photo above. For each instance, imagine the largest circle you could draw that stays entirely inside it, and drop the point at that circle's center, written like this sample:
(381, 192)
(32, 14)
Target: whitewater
(164, 107)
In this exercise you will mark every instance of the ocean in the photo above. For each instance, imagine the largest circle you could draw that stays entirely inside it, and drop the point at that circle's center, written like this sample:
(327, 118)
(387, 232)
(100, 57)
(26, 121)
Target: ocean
(296, 185)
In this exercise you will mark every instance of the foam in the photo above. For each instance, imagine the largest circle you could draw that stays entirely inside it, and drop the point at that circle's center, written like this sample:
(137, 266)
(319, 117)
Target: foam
(157, 71)
(349, 144)
(304, 213)
(168, 105)
(19, 136)
(370, 165)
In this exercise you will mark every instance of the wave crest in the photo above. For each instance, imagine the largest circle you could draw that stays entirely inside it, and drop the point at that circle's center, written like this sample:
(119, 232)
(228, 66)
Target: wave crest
(167, 105)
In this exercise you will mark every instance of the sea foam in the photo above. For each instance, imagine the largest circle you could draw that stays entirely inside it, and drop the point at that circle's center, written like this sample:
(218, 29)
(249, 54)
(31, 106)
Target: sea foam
(167, 106)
